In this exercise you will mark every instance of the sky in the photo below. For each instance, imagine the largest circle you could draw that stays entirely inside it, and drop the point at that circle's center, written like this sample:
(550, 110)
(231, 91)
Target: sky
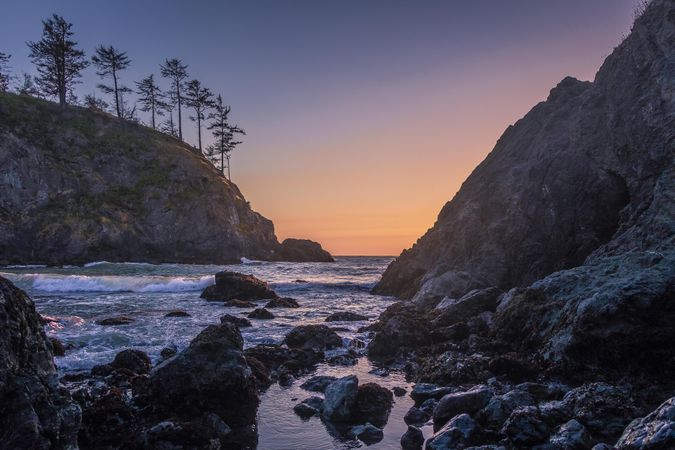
(363, 117)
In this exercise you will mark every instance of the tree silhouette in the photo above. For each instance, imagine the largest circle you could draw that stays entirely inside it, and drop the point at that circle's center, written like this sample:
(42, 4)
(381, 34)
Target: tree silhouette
(95, 103)
(151, 98)
(58, 61)
(4, 71)
(224, 133)
(109, 61)
(200, 99)
(176, 71)
(28, 87)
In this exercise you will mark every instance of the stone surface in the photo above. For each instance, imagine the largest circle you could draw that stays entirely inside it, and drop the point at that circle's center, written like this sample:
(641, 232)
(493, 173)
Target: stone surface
(368, 433)
(318, 383)
(136, 361)
(456, 403)
(345, 316)
(233, 285)
(373, 404)
(309, 407)
(241, 322)
(282, 303)
(412, 439)
(654, 431)
(456, 434)
(35, 411)
(316, 337)
(260, 313)
(340, 399)
(177, 313)
(117, 320)
(302, 250)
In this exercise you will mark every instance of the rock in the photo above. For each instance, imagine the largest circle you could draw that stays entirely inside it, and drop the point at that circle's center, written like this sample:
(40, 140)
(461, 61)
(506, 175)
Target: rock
(472, 304)
(177, 313)
(309, 407)
(236, 303)
(260, 313)
(102, 370)
(302, 250)
(654, 431)
(233, 285)
(345, 316)
(456, 403)
(512, 366)
(399, 328)
(544, 391)
(571, 436)
(340, 399)
(412, 439)
(277, 358)
(238, 321)
(316, 337)
(168, 352)
(425, 391)
(455, 332)
(260, 372)
(35, 411)
(368, 433)
(282, 303)
(373, 403)
(525, 427)
(457, 433)
(399, 391)
(58, 348)
(416, 416)
(317, 383)
(136, 361)
(500, 407)
(210, 376)
(117, 320)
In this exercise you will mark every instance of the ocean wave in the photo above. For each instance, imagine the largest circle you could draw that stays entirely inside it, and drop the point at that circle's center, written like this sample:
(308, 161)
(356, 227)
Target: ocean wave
(101, 263)
(86, 283)
(253, 262)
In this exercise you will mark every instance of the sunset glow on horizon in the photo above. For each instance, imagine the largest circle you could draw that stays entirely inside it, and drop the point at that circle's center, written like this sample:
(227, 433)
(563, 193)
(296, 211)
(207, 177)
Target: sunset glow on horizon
(357, 133)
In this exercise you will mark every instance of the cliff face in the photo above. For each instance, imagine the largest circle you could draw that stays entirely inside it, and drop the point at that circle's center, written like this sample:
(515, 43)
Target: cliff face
(79, 186)
(588, 173)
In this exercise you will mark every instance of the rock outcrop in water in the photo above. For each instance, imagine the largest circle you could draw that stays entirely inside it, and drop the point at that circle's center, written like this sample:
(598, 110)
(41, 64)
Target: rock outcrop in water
(233, 285)
(78, 186)
(35, 411)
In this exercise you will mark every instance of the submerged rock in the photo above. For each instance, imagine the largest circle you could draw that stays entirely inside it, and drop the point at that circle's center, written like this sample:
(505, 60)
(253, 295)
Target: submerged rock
(315, 337)
(260, 313)
(373, 403)
(136, 361)
(177, 313)
(233, 285)
(318, 383)
(309, 407)
(282, 302)
(117, 320)
(241, 322)
(368, 433)
(236, 303)
(412, 439)
(345, 316)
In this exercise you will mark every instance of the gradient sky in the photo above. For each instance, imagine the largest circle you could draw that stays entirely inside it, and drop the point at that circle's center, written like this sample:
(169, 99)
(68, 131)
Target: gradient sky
(363, 116)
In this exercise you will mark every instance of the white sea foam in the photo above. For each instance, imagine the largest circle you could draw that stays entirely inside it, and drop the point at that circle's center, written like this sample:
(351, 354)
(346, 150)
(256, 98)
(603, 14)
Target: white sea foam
(245, 260)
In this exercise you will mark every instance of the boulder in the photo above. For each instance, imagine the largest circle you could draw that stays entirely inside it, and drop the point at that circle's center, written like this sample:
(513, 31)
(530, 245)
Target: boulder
(233, 285)
(571, 436)
(368, 433)
(260, 313)
(136, 361)
(318, 383)
(500, 407)
(58, 349)
(456, 403)
(457, 433)
(345, 316)
(282, 302)
(454, 332)
(302, 250)
(315, 337)
(35, 411)
(417, 416)
(472, 304)
(117, 320)
(525, 427)
(340, 399)
(236, 303)
(277, 358)
(168, 352)
(373, 403)
(412, 439)
(309, 407)
(400, 328)
(654, 431)
(177, 313)
(399, 391)
(241, 322)
(425, 391)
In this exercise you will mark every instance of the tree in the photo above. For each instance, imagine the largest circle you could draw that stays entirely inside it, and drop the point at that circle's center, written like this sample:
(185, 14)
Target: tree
(224, 133)
(97, 104)
(176, 71)
(200, 99)
(151, 98)
(4, 71)
(109, 62)
(58, 61)
(28, 87)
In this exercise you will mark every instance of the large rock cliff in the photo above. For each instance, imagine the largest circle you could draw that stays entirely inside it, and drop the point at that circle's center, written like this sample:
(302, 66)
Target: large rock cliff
(79, 186)
(585, 174)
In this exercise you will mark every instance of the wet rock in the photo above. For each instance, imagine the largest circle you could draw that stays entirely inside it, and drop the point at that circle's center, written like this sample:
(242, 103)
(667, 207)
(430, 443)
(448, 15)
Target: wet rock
(177, 313)
(260, 313)
(232, 285)
(58, 349)
(302, 250)
(168, 352)
(316, 337)
(373, 404)
(106, 420)
(309, 407)
(525, 427)
(236, 303)
(399, 329)
(282, 302)
(367, 433)
(472, 304)
(571, 436)
(35, 411)
(424, 391)
(345, 316)
(241, 322)
(456, 403)
(260, 372)
(412, 439)
(500, 407)
(455, 332)
(318, 383)
(399, 391)
(654, 431)
(276, 357)
(416, 416)
(350, 358)
(512, 366)
(136, 361)
(117, 320)
(204, 432)
(340, 399)
(102, 370)
(544, 391)
(457, 433)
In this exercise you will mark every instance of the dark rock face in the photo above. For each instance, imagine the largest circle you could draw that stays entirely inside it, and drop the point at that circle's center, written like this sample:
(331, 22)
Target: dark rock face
(232, 285)
(655, 431)
(157, 205)
(457, 433)
(412, 439)
(302, 250)
(470, 305)
(400, 327)
(345, 316)
(284, 302)
(459, 403)
(368, 433)
(340, 401)
(117, 320)
(373, 403)
(309, 407)
(318, 383)
(35, 412)
(588, 173)
(261, 314)
(136, 361)
(241, 322)
(315, 337)
(177, 313)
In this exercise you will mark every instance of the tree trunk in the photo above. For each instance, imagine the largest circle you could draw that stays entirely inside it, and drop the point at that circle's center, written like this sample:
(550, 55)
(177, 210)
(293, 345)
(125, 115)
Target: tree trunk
(199, 129)
(180, 121)
(117, 99)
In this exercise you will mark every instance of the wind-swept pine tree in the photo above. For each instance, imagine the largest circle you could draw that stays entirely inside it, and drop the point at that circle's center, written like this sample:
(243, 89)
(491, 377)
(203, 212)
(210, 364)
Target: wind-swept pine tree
(58, 61)
(95, 103)
(176, 71)
(200, 99)
(110, 61)
(224, 133)
(4, 71)
(151, 98)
